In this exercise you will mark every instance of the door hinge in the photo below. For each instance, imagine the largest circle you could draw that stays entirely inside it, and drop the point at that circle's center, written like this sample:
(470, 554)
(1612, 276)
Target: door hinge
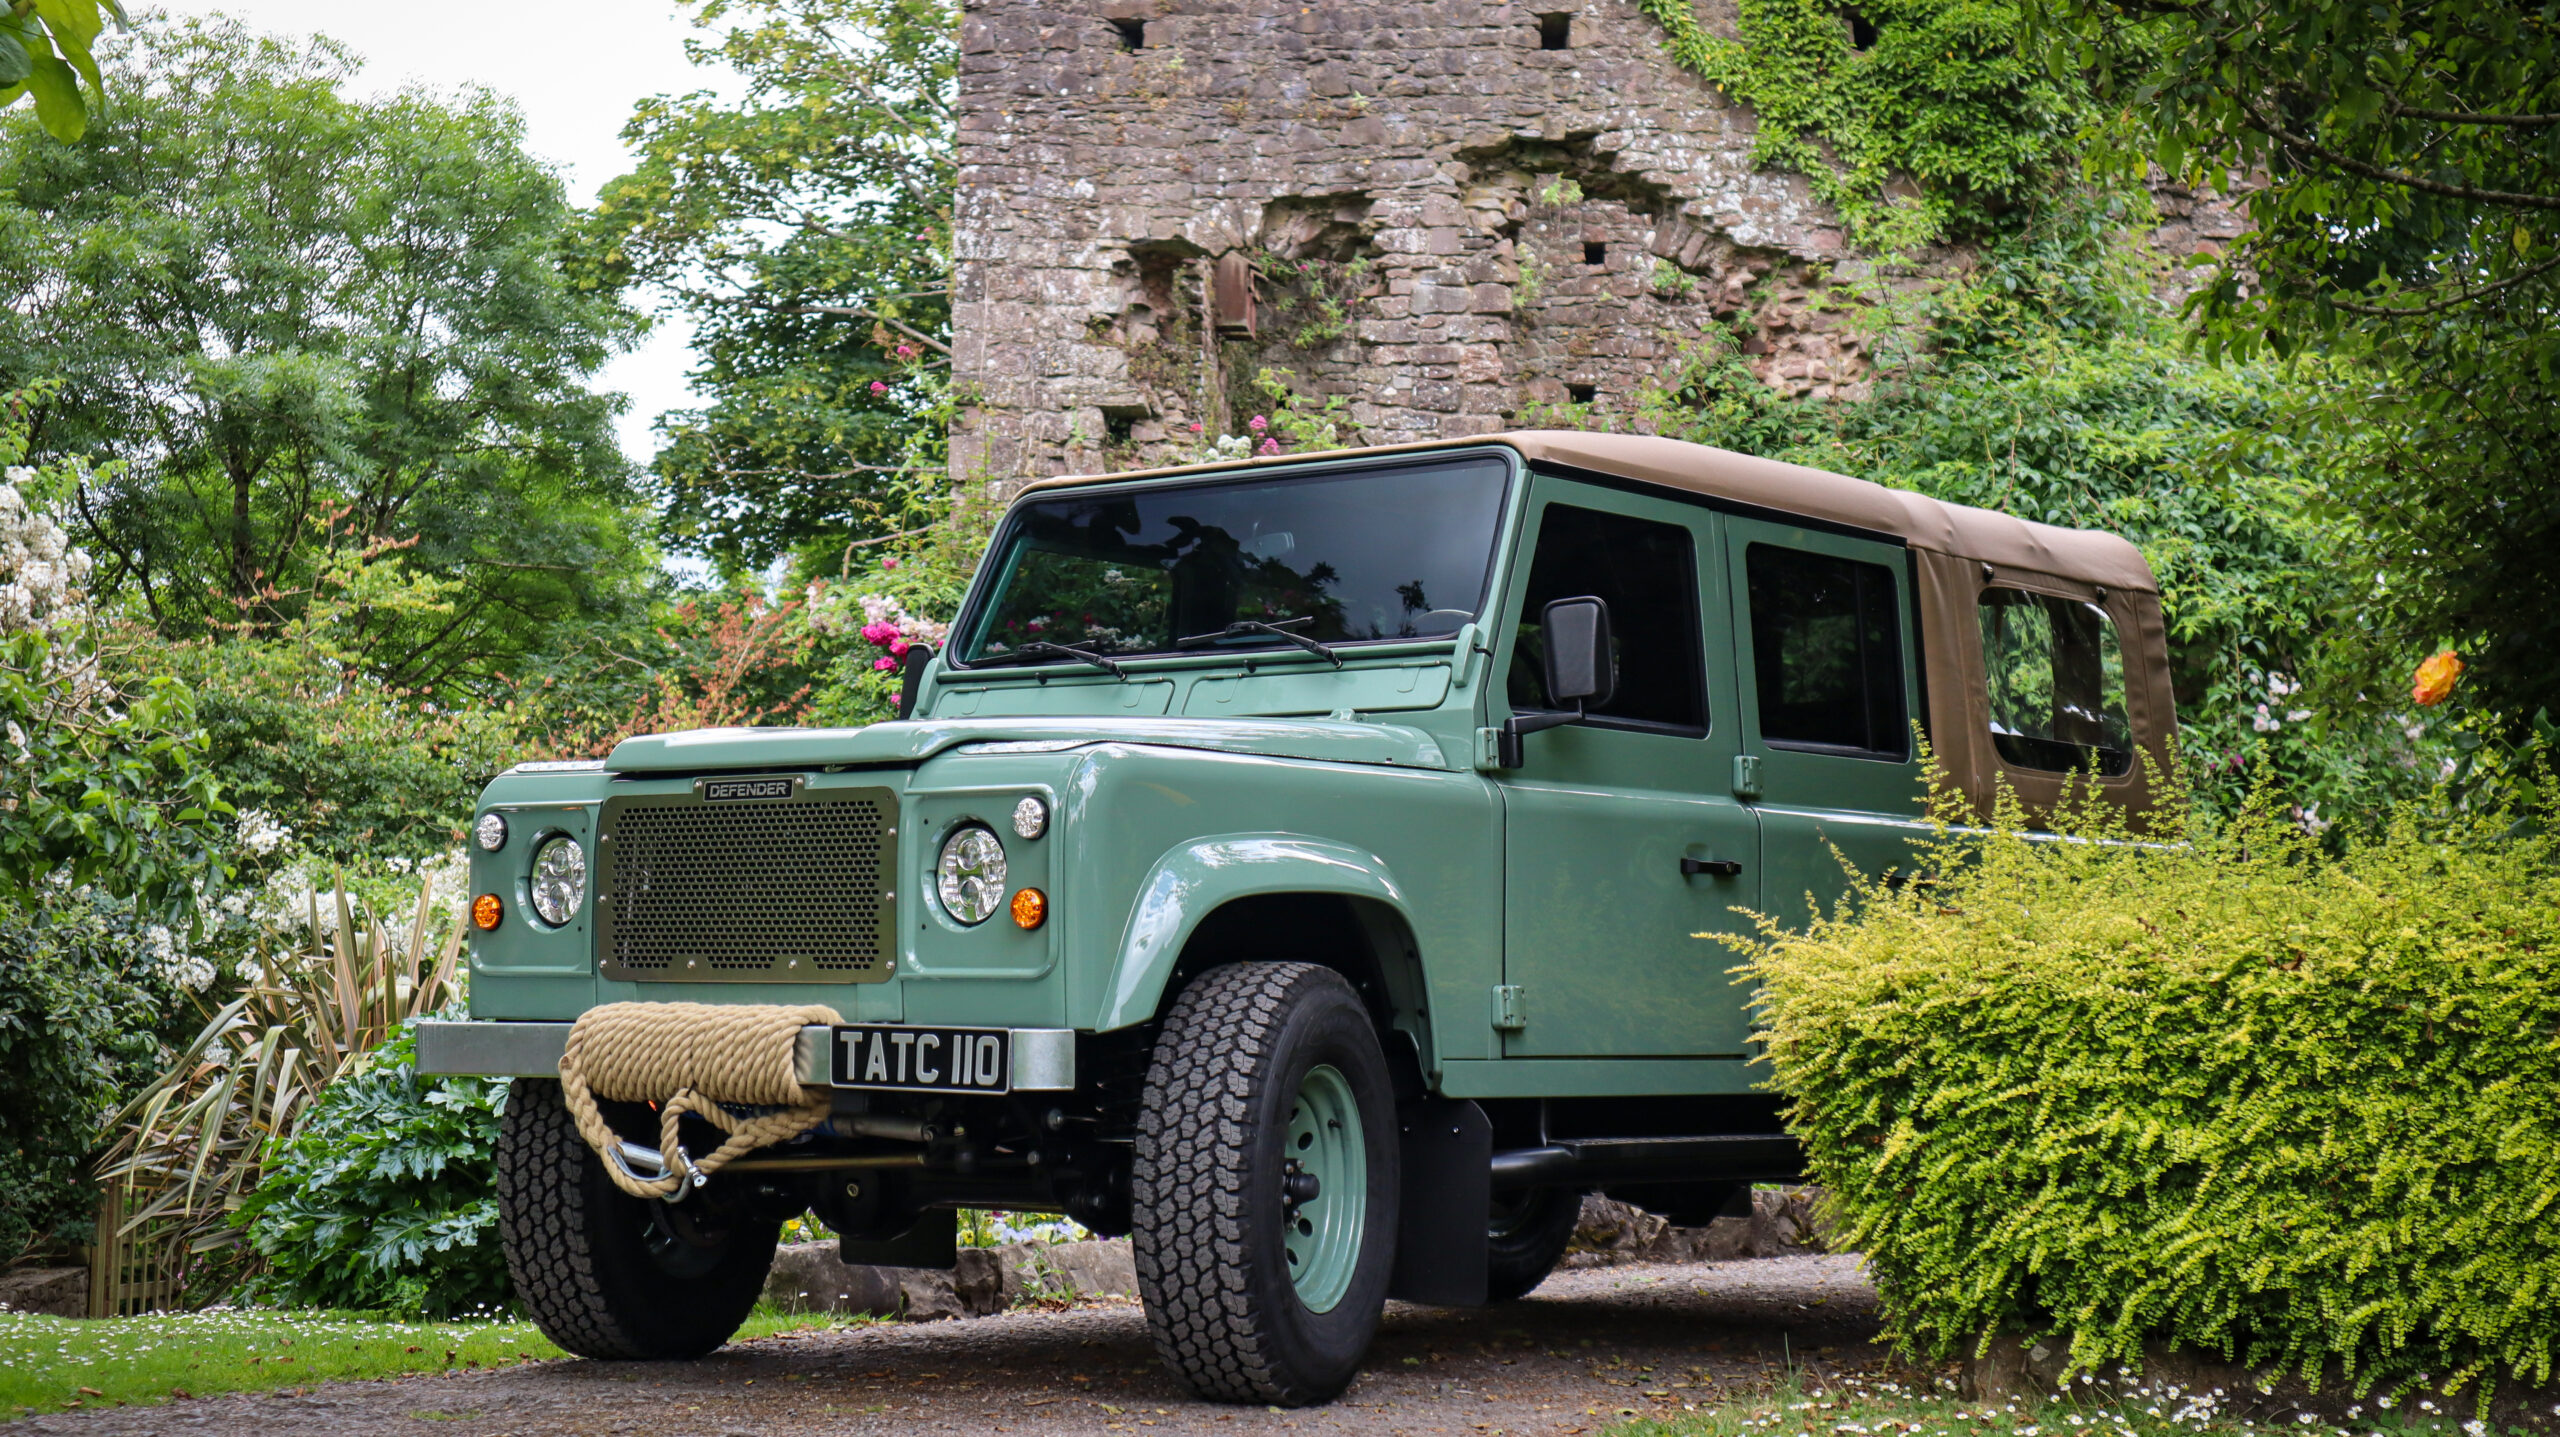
(1489, 750)
(1746, 775)
(1510, 1008)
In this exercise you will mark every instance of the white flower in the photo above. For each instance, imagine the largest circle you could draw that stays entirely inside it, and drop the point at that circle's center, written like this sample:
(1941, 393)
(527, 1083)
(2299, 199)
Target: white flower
(260, 834)
(2263, 722)
(2296, 715)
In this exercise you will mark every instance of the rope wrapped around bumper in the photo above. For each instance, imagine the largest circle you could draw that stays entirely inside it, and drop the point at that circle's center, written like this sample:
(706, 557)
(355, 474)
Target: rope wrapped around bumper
(691, 1058)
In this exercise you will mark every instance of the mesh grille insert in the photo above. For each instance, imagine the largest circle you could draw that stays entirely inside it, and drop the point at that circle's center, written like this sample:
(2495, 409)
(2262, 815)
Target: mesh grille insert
(748, 889)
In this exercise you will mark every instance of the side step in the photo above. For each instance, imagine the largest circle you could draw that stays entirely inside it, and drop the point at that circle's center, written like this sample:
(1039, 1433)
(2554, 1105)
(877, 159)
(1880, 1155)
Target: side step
(1593, 1162)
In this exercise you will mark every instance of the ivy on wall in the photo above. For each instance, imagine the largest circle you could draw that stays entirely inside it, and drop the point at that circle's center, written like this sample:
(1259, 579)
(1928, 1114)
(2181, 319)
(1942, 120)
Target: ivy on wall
(1917, 120)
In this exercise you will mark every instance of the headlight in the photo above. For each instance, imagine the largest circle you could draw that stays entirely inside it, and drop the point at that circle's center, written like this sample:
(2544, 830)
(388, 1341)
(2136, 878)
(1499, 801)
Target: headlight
(491, 831)
(970, 875)
(559, 880)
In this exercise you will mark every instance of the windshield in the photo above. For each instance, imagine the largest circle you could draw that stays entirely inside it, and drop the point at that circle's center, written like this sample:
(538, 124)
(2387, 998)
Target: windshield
(1373, 553)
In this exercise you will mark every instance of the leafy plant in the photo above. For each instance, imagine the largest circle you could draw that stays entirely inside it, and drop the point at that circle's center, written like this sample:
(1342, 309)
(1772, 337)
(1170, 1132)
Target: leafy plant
(386, 1197)
(195, 1142)
(2229, 1094)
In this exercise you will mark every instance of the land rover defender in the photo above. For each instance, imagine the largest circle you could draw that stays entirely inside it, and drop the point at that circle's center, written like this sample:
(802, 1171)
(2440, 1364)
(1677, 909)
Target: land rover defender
(1307, 866)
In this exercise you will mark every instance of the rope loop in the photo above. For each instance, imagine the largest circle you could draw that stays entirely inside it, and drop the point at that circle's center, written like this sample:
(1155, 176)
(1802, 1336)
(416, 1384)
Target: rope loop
(692, 1058)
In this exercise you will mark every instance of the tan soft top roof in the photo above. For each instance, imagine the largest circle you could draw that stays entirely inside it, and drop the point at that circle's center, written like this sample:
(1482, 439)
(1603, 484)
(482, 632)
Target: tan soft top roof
(2089, 555)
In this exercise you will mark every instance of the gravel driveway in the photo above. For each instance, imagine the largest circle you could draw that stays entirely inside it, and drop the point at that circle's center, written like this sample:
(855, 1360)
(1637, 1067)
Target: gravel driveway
(1585, 1349)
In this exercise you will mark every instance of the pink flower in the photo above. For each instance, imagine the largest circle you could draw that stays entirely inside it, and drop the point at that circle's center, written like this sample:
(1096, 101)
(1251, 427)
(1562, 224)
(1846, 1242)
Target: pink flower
(890, 562)
(1269, 446)
(898, 648)
(878, 389)
(1195, 427)
(906, 351)
(1257, 424)
(884, 664)
(879, 633)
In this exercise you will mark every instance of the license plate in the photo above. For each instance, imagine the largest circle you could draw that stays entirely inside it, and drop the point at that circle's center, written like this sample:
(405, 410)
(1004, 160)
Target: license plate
(906, 1059)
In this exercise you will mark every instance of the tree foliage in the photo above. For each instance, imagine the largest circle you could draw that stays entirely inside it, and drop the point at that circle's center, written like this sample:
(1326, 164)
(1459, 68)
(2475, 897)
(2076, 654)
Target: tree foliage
(2402, 169)
(805, 229)
(45, 52)
(302, 363)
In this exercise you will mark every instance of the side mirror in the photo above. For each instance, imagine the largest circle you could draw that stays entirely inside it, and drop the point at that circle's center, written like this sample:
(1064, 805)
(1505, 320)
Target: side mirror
(911, 677)
(1582, 669)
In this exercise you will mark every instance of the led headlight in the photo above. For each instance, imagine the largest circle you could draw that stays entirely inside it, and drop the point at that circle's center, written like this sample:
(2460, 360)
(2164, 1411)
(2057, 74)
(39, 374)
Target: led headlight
(559, 880)
(969, 877)
(491, 830)
(1030, 817)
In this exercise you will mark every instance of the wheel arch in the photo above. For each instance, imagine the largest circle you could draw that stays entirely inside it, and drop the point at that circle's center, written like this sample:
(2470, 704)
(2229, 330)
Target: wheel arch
(1270, 896)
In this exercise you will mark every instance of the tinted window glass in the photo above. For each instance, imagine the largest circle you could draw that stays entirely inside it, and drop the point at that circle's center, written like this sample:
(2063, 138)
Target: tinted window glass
(1366, 554)
(1648, 574)
(1826, 651)
(2056, 676)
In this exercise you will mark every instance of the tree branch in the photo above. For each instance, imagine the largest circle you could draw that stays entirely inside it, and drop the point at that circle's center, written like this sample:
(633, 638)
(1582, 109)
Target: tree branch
(2395, 312)
(2383, 175)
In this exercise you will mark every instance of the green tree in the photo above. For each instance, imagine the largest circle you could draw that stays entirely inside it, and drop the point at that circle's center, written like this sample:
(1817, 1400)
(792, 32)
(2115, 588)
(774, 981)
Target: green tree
(2403, 167)
(319, 331)
(805, 229)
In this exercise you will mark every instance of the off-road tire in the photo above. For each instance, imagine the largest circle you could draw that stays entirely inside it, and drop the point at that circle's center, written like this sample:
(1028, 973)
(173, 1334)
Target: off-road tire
(1526, 1239)
(579, 1251)
(1206, 1184)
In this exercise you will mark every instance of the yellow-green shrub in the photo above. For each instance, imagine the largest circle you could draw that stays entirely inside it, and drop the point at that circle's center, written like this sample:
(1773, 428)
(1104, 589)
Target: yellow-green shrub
(2299, 1110)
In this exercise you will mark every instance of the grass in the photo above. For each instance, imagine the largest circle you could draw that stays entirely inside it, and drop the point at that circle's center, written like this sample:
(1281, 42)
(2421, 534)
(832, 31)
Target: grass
(1869, 1406)
(54, 1364)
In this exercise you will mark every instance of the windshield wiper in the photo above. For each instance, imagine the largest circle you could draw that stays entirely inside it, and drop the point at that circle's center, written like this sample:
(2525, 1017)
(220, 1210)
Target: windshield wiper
(1070, 651)
(1281, 630)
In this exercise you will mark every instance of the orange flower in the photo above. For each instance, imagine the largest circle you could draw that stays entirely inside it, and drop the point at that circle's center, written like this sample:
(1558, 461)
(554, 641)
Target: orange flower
(2435, 678)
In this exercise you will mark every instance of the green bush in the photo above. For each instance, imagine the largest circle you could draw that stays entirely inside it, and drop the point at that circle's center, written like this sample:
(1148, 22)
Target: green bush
(78, 1010)
(387, 1198)
(2235, 1095)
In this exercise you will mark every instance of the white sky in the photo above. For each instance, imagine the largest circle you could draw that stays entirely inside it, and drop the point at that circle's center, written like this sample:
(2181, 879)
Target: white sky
(576, 67)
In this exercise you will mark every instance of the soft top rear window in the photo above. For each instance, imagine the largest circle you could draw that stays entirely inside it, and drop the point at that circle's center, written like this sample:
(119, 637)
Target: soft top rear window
(1338, 556)
(2055, 672)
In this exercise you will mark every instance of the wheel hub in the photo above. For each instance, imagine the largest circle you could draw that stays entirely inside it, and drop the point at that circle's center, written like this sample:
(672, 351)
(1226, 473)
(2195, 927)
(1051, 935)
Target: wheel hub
(1324, 1185)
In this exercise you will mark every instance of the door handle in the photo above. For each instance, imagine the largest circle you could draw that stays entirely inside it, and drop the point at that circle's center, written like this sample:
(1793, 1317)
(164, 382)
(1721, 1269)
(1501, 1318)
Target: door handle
(1718, 867)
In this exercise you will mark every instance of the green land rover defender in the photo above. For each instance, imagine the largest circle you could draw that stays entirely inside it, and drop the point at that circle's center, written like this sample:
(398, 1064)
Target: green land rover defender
(1309, 867)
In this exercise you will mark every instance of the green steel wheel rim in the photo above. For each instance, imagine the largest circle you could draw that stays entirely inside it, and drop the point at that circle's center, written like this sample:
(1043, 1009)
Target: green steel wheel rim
(1322, 1234)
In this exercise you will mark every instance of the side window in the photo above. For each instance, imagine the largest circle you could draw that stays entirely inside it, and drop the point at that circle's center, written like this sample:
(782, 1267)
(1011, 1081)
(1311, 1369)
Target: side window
(1826, 652)
(1648, 573)
(2056, 676)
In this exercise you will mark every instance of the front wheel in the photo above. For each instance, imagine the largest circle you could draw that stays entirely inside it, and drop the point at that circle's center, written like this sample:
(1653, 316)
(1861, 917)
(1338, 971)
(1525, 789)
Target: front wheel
(605, 1274)
(1265, 1185)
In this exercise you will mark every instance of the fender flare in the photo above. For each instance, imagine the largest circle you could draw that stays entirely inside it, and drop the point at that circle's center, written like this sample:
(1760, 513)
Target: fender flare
(1192, 881)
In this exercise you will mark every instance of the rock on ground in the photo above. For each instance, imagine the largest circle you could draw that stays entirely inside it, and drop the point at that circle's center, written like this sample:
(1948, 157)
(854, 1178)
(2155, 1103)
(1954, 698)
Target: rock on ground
(53, 1291)
(808, 1277)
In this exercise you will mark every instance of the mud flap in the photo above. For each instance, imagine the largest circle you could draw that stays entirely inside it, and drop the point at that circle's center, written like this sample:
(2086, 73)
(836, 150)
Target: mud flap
(1442, 1254)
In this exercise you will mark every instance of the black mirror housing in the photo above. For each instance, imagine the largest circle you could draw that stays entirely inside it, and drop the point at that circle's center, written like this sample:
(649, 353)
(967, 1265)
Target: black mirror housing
(911, 677)
(1582, 665)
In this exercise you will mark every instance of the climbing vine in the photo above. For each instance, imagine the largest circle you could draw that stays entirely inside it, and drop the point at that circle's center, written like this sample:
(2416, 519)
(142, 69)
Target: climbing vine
(1916, 119)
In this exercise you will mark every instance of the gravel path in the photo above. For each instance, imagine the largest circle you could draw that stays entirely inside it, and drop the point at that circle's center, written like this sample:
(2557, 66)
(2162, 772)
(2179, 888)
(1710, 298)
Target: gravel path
(1589, 1347)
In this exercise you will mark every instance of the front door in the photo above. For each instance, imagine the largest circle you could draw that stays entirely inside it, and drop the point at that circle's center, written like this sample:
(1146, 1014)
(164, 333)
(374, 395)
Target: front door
(1822, 631)
(1601, 927)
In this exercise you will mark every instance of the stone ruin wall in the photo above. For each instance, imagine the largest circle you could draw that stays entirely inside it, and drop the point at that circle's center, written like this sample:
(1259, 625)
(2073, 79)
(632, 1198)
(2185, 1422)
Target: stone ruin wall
(1451, 226)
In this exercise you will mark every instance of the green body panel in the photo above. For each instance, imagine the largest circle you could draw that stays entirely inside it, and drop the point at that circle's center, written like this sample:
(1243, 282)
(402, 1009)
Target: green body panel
(1202, 779)
(1602, 928)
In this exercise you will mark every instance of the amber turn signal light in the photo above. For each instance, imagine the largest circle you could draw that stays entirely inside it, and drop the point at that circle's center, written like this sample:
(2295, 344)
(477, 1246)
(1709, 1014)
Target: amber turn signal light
(486, 910)
(1030, 907)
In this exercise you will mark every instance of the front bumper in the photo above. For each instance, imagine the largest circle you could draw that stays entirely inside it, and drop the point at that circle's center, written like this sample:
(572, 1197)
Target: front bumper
(1044, 1059)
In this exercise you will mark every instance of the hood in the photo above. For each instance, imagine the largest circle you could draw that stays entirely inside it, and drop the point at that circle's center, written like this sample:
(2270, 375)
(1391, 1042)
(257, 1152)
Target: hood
(913, 740)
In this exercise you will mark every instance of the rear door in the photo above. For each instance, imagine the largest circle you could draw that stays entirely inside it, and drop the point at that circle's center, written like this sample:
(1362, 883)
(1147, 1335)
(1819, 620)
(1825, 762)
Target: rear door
(1602, 922)
(1829, 670)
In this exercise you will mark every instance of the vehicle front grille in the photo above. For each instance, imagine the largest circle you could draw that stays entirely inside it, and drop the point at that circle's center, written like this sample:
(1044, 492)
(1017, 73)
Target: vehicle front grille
(794, 889)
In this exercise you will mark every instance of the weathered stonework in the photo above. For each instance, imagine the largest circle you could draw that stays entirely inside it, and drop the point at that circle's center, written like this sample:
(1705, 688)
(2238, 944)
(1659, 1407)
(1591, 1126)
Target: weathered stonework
(1454, 230)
